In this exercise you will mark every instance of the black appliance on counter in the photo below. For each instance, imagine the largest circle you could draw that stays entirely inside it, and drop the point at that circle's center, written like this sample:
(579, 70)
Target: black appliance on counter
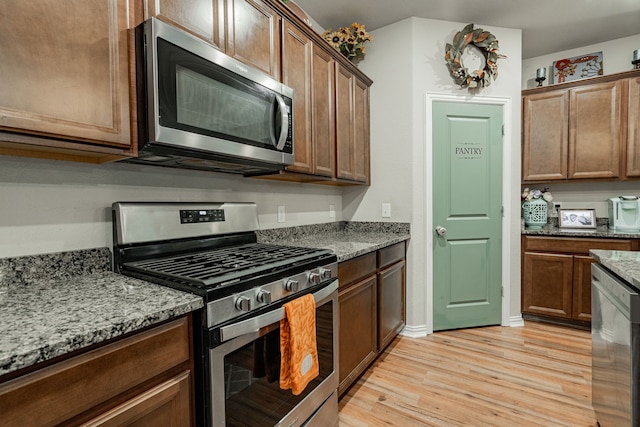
(615, 341)
(211, 250)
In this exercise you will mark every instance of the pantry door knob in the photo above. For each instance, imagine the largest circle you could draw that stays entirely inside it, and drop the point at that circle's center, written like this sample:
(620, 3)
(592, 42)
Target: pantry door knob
(441, 231)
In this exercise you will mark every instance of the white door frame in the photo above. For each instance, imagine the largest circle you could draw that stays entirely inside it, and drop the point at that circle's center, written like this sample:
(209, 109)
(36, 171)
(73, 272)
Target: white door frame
(428, 197)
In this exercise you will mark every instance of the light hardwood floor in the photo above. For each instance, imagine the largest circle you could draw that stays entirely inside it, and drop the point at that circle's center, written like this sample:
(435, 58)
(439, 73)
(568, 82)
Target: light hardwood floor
(536, 375)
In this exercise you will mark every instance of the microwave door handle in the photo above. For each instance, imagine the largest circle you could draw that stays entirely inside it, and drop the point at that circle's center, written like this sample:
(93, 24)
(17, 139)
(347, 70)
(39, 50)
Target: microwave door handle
(284, 122)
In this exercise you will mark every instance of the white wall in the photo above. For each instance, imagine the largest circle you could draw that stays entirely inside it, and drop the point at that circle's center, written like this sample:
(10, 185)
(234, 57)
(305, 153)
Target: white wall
(406, 62)
(616, 57)
(51, 206)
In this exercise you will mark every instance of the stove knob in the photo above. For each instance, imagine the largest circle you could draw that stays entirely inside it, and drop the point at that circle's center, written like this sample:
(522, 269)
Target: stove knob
(291, 286)
(243, 304)
(325, 273)
(264, 297)
(314, 278)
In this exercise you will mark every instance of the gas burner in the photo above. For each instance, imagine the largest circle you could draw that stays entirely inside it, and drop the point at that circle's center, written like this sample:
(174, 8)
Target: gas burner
(211, 250)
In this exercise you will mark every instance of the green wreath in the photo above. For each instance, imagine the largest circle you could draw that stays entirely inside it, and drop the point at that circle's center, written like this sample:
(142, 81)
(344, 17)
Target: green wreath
(486, 43)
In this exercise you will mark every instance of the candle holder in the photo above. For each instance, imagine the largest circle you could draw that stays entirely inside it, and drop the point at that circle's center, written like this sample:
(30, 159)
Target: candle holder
(541, 75)
(636, 59)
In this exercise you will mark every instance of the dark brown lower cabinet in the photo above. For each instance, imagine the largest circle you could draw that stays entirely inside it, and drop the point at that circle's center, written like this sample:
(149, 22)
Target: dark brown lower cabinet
(548, 284)
(556, 276)
(358, 330)
(391, 300)
(582, 287)
(372, 308)
(143, 380)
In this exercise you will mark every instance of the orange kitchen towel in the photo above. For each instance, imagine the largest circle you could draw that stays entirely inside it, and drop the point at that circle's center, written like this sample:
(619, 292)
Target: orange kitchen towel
(298, 347)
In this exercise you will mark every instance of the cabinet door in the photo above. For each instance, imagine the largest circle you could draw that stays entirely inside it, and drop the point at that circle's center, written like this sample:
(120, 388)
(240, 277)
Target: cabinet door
(322, 117)
(547, 284)
(633, 129)
(391, 297)
(167, 404)
(582, 287)
(358, 332)
(296, 73)
(253, 35)
(91, 381)
(361, 131)
(344, 123)
(345, 129)
(65, 70)
(545, 136)
(202, 18)
(594, 130)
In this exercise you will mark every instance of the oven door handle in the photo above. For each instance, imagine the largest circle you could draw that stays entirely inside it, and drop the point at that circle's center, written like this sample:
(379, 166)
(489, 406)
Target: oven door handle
(254, 324)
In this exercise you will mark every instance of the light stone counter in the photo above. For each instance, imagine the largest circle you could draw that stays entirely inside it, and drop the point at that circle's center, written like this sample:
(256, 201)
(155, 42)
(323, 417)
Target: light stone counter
(346, 240)
(53, 304)
(625, 264)
(599, 232)
(57, 303)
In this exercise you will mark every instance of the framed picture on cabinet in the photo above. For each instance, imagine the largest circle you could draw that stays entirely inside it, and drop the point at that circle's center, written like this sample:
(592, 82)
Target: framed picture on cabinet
(577, 218)
(578, 67)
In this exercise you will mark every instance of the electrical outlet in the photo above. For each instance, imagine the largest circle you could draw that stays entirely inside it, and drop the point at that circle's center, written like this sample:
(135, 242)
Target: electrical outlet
(332, 211)
(386, 210)
(281, 217)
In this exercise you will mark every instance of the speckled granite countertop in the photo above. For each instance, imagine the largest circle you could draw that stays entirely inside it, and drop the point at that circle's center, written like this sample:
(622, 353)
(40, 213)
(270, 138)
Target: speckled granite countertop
(625, 264)
(602, 230)
(53, 304)
(56, 303)
(346, 240)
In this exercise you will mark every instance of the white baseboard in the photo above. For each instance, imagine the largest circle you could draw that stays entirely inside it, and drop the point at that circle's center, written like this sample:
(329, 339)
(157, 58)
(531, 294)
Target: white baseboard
(516, 321)
(421, 330)
(414, 331)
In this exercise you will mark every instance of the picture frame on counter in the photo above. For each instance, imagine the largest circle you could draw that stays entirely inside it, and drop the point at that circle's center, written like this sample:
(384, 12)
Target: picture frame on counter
(577, 218)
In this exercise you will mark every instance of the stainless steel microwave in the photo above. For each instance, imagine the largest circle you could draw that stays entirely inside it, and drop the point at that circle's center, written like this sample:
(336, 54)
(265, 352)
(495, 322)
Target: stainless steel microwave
(201, 109)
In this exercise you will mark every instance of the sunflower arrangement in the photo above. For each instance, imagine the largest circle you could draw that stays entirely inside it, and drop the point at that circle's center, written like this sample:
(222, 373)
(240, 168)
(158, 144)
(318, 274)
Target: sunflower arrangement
(349, 41)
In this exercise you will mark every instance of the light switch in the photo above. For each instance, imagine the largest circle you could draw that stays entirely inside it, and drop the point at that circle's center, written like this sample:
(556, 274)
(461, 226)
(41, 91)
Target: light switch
(386, 210)
(281, 213)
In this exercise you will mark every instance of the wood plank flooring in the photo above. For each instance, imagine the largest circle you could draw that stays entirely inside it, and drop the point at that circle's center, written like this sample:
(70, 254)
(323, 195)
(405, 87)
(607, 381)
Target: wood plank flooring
(537, 375)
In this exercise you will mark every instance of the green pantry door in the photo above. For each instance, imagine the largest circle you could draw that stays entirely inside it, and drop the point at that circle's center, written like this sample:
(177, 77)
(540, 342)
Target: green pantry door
(467, 214)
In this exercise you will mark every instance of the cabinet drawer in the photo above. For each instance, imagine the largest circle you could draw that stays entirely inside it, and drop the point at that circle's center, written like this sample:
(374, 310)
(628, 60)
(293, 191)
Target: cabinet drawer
(576, 246)
(390, 254)
(356, 268)
(164, 405)
(61, 391)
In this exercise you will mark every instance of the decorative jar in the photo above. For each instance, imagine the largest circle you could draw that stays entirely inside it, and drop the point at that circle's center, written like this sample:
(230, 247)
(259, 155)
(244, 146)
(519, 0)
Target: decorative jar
(534, 212)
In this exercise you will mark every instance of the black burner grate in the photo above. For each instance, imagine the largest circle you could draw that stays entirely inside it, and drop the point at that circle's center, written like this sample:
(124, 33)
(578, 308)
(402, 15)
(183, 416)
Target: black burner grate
(227, 264)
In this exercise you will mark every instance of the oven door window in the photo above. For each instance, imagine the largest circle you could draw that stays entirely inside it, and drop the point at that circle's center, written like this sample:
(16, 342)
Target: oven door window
(198, 96)
(251, 376)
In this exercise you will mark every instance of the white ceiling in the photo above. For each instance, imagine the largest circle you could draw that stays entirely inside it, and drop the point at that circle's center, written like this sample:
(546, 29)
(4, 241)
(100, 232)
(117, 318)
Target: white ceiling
(547, 25)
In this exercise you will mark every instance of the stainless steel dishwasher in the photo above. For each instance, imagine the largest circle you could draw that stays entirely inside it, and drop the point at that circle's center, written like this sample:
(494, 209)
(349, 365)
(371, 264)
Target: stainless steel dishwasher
(615, 334)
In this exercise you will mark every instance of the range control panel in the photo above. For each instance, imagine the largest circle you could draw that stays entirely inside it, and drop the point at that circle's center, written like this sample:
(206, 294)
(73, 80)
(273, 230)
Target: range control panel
(195, 216)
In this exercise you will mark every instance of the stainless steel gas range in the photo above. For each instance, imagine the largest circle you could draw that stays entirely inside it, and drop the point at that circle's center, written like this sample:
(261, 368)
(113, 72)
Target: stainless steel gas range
(211, 249)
